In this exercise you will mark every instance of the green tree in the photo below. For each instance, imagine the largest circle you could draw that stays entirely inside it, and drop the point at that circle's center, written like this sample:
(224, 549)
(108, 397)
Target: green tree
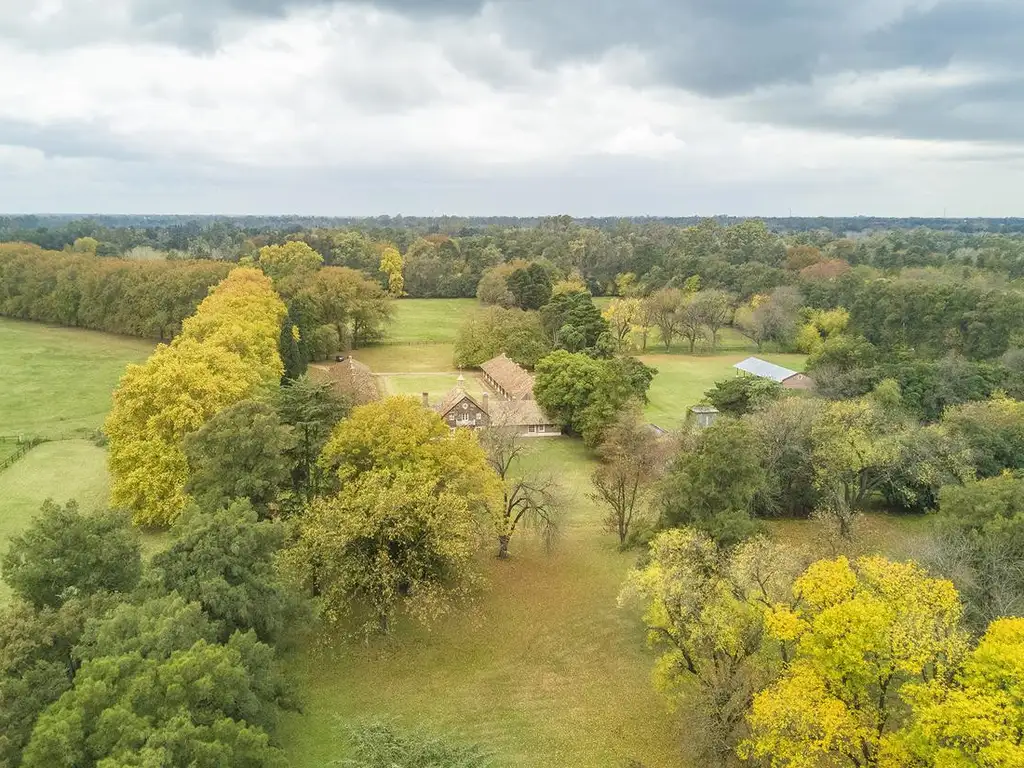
(402, 533)
(573, 322)
(494, 330)
(980, 529)
(530, 286)
(587, 394)
(311, 409)
(741, 395)
(66, 554)
(856, 447)
(36, 663)
(224, 560)
(712, 482)
(714, 308)
(241, 453)
(858, 634)
(289, 260)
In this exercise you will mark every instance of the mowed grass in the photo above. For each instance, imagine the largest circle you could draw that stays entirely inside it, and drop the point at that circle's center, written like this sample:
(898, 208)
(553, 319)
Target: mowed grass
(544, 668)
(65, 470)
(682, 381)
(419, 320)
(56, 382)
(437, 385)
(411, 358)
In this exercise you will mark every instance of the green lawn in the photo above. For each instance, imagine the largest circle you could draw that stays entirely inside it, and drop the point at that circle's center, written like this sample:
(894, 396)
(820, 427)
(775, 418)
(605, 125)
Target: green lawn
(57, 381)
(682, 381)
(70, 469)
(436, 384)
(407, 358)
(545, 669)
(418, 320)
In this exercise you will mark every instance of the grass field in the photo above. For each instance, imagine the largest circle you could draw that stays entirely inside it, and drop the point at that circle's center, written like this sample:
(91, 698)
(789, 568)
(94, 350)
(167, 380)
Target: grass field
(57, 381)
(419, 320)
(407, 358)
(545, 669)
(437, 385)
(682, 381)
(70, 469)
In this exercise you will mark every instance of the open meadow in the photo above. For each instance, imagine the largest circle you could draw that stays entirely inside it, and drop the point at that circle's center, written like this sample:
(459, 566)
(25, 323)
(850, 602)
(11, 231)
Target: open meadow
(57, 381)
(57, 386)
(542, 667)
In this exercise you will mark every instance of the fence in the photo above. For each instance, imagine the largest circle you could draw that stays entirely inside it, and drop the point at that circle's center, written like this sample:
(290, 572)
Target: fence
(23, 446)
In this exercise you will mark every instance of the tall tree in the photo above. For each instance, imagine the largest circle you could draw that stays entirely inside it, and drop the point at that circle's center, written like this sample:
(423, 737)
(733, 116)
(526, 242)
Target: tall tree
(530, 286)
(714, 308)
(241, 453)
(64, 554)
(311, 409)
(632, 460)
(858, 634)
(391, 265)
(705, 611)
(713, 480)
(529, 497)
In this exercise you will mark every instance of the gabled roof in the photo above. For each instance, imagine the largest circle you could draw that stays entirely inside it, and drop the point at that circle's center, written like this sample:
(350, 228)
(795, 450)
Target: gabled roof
(764, 369)
(517, 413)
(510, 376)
(454, 397)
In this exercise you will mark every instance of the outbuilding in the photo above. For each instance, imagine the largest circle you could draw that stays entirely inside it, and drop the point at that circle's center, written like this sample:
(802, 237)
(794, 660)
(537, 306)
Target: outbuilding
(755, 366)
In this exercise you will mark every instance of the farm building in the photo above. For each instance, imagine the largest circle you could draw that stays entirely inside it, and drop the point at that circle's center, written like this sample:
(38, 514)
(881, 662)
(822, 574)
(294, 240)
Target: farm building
(349, 378)
(755, 366)
(461, 409)
(508, 378)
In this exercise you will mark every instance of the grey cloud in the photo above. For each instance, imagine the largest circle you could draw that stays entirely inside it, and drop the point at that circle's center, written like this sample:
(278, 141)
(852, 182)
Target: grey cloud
(66, 140)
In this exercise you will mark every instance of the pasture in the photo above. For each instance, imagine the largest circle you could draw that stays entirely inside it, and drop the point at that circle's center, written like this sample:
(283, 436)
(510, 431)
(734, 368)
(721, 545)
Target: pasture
(428, 320)
(682, 380)
(528, 670)
(57, 381)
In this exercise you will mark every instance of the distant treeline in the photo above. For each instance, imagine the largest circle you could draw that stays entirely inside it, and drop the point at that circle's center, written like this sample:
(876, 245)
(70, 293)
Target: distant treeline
(149, 299)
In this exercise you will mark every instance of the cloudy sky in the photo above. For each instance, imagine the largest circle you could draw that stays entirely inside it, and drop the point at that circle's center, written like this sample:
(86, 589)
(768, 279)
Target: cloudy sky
(587, 107)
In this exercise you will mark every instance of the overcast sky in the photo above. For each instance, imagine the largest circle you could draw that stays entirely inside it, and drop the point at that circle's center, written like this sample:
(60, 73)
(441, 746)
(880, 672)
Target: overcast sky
(587, 107)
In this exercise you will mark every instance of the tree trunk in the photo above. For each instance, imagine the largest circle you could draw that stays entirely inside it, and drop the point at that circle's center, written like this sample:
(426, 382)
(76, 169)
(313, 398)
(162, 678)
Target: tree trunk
(503, 547)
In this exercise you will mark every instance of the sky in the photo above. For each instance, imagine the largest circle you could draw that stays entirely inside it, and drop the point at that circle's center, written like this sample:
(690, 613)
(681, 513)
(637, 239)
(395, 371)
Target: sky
(513, 107)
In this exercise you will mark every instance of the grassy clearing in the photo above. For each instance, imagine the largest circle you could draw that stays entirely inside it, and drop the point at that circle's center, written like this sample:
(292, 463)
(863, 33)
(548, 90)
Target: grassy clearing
(57, 381)
(70, 469)
(411, 358)
(545, 669)
(418, 320)
(682, 381)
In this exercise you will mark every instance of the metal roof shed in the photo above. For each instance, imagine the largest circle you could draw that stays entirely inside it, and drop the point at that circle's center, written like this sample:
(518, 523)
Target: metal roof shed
(764, 369)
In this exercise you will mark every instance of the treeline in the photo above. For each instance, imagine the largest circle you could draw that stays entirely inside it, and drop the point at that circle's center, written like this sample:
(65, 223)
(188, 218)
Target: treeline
(148, 299)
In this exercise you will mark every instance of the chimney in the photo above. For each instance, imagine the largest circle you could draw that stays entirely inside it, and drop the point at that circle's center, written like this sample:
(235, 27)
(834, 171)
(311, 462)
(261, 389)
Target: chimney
(426, 399)
(487, 399)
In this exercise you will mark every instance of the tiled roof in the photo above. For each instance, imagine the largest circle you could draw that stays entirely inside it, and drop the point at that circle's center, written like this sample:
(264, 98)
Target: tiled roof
(517, 413)
(510, 376)
(350, 378)
(764, 369)
(453, 398)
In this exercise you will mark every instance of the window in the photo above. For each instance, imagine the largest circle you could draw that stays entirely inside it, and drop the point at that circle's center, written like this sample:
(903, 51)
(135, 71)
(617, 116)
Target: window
(541, 428)
(533, 428)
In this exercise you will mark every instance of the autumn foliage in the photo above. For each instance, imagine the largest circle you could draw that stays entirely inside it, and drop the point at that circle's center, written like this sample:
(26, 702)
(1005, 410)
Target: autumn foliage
(225, 352)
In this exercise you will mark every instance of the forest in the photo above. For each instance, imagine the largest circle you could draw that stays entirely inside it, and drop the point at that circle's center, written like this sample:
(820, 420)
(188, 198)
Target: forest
(263, 512)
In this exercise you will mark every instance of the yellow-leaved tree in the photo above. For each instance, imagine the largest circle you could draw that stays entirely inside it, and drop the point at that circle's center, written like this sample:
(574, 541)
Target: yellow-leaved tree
(391, 265)
(224, 353)
(290, 259)
(857, 635)
(415, 504)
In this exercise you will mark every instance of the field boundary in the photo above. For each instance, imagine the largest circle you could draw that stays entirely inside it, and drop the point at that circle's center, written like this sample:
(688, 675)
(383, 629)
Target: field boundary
(24, 446)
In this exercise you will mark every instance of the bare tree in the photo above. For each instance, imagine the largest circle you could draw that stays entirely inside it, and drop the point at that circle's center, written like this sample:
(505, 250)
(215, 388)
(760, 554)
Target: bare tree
(691, 320)
(664, 312)
(632, 459)
(529, 497)
(715, 309)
